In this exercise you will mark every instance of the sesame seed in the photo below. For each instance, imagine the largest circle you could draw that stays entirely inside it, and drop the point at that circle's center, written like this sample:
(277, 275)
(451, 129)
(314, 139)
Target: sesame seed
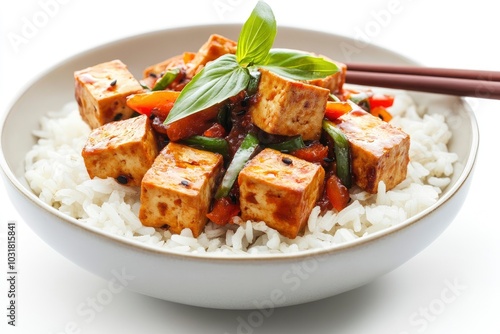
(112, 83)
(122, 179)
(287, 161)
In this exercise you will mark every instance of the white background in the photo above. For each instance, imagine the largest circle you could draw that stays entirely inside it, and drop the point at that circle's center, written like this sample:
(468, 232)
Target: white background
(415, 298)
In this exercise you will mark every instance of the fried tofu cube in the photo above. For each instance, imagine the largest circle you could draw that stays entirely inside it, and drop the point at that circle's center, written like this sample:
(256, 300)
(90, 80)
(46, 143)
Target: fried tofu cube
(178, 188)
(280, 190)
(190, 63)
(333, 82)
(123, 150)
(213, 48)
(101, 92)
(288, 107)
(379, 150)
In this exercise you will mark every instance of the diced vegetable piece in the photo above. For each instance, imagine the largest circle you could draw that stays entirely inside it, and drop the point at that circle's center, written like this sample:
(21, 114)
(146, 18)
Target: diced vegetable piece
(381, 100)
(337, 193)
(160, 101)
(166, 79)
(381, 113)
(192, 125)
(188, 56)
(336, 109)
(242, 155)
(342, 152)
(216, 145)
(215, 131)
(224, 209)
(316, 152)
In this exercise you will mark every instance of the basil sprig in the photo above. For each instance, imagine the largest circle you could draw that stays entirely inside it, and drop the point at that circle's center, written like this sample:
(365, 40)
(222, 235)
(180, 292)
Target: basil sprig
(230, 74)
(256, 36)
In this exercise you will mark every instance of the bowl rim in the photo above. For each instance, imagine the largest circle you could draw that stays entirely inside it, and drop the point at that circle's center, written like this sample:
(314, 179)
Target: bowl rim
(303, 254)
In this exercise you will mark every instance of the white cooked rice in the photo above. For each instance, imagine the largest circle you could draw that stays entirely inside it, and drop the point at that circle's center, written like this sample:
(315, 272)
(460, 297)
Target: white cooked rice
(56, 173)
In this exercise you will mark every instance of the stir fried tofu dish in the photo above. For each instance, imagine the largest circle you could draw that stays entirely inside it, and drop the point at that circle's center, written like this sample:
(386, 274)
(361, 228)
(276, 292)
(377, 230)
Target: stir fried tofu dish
(238, 131)
(227, 145)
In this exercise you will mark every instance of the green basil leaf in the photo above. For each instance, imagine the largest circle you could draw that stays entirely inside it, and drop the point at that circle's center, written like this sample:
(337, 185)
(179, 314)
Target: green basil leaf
(257, 36)
(298, 65)
(219, 80)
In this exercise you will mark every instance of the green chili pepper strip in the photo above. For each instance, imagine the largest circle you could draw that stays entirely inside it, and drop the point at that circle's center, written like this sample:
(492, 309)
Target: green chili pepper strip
(288, 145)
(334, 98)
(216, 145)
(242, 155)
(342, 152)
(166, 79)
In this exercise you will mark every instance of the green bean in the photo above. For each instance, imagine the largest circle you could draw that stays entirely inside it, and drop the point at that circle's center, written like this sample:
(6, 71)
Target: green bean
(241, 157)
(342, 152)
(216, 145)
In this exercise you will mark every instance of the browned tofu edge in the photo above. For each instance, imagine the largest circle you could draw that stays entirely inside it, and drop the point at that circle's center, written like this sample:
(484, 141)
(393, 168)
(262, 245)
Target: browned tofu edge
(379, 154)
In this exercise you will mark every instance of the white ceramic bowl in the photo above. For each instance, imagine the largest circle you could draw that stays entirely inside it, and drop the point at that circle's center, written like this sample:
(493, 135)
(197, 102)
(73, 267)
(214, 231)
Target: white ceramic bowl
(236, 282)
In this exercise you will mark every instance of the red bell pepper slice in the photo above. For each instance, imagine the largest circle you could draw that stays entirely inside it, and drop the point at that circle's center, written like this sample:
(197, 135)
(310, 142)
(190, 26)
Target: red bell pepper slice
(224, 209)
(160, 101)
(337, 193)
(336, 109)
(380, 100)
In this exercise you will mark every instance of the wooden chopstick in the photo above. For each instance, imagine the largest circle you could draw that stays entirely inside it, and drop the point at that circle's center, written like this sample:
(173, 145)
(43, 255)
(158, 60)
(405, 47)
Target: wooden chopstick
(460, 82)
(426, 71)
